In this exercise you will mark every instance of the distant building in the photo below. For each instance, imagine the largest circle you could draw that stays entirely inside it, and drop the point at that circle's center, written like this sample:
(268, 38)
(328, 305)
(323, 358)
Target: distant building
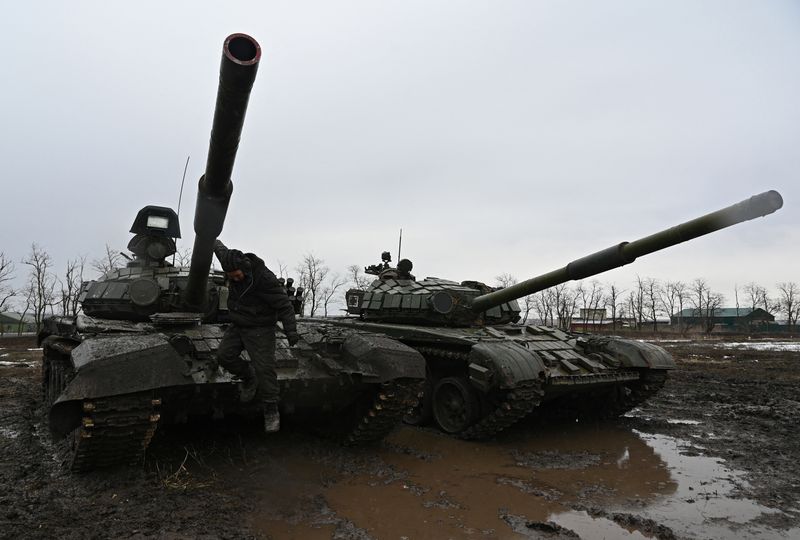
(729, 317)
(10, 323)
(587, 314)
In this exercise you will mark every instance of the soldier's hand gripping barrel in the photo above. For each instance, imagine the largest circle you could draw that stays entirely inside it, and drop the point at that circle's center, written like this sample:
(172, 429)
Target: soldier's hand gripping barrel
(240, 56)
(626, 252)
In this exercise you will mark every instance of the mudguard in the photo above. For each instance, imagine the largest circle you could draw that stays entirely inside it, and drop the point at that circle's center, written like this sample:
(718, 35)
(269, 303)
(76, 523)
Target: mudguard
(630, 353)
(381, 359)
(110, 366)
(503, 364)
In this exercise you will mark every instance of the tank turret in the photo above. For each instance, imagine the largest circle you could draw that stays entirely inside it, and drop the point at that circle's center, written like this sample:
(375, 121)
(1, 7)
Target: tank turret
(149, 284)
(397, 297)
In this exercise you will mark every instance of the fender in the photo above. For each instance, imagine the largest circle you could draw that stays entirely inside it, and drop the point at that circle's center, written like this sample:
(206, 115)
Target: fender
(107, 366)
(503, 364)
(381, 359)
(630, 353)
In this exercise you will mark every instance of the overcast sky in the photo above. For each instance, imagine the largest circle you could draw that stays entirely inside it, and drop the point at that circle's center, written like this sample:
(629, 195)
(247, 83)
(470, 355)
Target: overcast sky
(503, 137)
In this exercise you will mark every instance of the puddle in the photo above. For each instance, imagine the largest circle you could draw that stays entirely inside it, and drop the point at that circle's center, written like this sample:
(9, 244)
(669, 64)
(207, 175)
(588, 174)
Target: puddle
(22, 362)
(678, 421)
(598, 481)
(793, 346)
(39, 349)
(702, 506)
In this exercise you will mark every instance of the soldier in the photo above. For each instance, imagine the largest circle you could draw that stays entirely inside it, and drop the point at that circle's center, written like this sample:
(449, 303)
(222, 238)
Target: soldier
(404, 267)
(256, 301)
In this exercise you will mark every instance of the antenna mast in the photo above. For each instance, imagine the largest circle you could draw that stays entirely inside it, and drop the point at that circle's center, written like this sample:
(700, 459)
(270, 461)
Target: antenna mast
(180, 196)
(400, 243)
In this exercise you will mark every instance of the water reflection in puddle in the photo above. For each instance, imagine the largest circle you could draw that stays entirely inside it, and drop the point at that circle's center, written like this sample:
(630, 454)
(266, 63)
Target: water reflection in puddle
(583, 478)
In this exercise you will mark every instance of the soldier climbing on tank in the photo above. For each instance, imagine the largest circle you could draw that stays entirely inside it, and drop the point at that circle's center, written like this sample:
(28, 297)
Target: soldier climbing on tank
(256, 301)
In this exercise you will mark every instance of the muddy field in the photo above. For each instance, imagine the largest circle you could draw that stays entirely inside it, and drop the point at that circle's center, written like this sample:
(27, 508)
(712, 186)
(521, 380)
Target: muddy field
(715, 455)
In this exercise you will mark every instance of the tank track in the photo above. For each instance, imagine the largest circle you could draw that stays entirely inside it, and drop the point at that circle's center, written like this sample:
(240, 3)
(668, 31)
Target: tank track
(391, 401)
(114, 431)
(613, 404)
(646, 387)
(514, 406)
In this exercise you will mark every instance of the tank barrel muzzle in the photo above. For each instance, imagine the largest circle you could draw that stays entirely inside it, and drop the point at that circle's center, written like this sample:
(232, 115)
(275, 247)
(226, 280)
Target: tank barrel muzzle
(240, 57)
(627, 252)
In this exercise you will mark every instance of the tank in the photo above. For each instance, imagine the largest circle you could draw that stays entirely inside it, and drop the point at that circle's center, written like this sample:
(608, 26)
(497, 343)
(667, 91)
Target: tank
(141, 353)
(485, 372)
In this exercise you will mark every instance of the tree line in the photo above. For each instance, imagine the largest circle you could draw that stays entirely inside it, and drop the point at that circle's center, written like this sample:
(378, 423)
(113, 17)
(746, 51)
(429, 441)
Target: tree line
(48, 291)
(649, 299)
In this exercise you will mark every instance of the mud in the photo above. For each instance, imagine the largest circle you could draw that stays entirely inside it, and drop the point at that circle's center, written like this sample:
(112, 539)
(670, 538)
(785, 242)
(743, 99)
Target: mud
(714, 455)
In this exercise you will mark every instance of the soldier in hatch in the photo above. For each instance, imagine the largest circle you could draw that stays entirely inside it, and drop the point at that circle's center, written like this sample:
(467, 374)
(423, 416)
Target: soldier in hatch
(256, 301)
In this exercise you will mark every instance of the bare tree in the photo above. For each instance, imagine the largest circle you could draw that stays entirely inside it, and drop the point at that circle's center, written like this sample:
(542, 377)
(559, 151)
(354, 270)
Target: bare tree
(758, 297)
(528, 302)
(789, 302)
(7, 292)
(329, 291)
(613, 300)
(636, 304)
(312, 273)
(71, 285)
(673, 298)
(41, 282)
(714, 302)
(527, 305)
(108, 262)
(505, 280)
(591, 297)
(183, 257)
(542, 303)
(357, 278)
(565, 302)
(706, 302)
(697, 297)
(652, 292)
(29, 294)
(283, 269)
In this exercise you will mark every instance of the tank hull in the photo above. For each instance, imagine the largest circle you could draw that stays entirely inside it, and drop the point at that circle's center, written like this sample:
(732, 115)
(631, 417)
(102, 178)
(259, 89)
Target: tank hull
(110, 384)
(481, 380)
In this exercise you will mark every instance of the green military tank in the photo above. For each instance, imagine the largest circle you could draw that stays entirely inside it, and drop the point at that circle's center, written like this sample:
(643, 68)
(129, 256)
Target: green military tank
(141, 353)
(486, 372)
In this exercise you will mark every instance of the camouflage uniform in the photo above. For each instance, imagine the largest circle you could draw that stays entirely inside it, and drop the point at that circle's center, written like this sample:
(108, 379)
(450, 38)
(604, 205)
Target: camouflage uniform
(255, 304)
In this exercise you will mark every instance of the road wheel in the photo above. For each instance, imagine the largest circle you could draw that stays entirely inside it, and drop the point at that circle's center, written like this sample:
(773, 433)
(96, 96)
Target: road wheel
(455, 404)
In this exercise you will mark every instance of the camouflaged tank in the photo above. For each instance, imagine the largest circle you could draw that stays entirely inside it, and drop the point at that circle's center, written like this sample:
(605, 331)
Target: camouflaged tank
(486, 372)
(141, 353)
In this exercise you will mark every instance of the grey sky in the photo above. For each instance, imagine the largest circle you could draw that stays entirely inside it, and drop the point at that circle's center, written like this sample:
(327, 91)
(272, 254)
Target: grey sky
(502, 136)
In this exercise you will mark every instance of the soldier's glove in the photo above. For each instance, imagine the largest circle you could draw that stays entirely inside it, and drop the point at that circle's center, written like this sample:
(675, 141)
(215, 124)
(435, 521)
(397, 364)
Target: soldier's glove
(293, 338)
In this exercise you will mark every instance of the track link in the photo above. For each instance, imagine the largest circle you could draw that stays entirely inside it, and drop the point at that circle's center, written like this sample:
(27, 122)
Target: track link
(513, 406)
(648, 385)
(114, 431)
(390, 403)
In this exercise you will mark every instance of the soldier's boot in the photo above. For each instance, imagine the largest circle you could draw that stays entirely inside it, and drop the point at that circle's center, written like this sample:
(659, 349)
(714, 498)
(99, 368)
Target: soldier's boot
(272, 418)
(248, 386)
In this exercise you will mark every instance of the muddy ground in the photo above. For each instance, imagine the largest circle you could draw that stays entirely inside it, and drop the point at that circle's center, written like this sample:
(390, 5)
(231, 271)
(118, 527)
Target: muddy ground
(715, 455)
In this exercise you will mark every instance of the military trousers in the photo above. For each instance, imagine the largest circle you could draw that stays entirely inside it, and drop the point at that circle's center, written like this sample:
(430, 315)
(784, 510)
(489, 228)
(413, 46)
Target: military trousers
(259, 342)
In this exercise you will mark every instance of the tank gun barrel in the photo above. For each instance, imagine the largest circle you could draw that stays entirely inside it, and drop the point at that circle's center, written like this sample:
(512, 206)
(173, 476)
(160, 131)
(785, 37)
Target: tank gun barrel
(240, 56)
(626, 252)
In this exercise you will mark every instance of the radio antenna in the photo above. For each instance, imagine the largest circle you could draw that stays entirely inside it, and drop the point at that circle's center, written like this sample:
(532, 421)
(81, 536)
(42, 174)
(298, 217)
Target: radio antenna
(400, 243)
(180, 196)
